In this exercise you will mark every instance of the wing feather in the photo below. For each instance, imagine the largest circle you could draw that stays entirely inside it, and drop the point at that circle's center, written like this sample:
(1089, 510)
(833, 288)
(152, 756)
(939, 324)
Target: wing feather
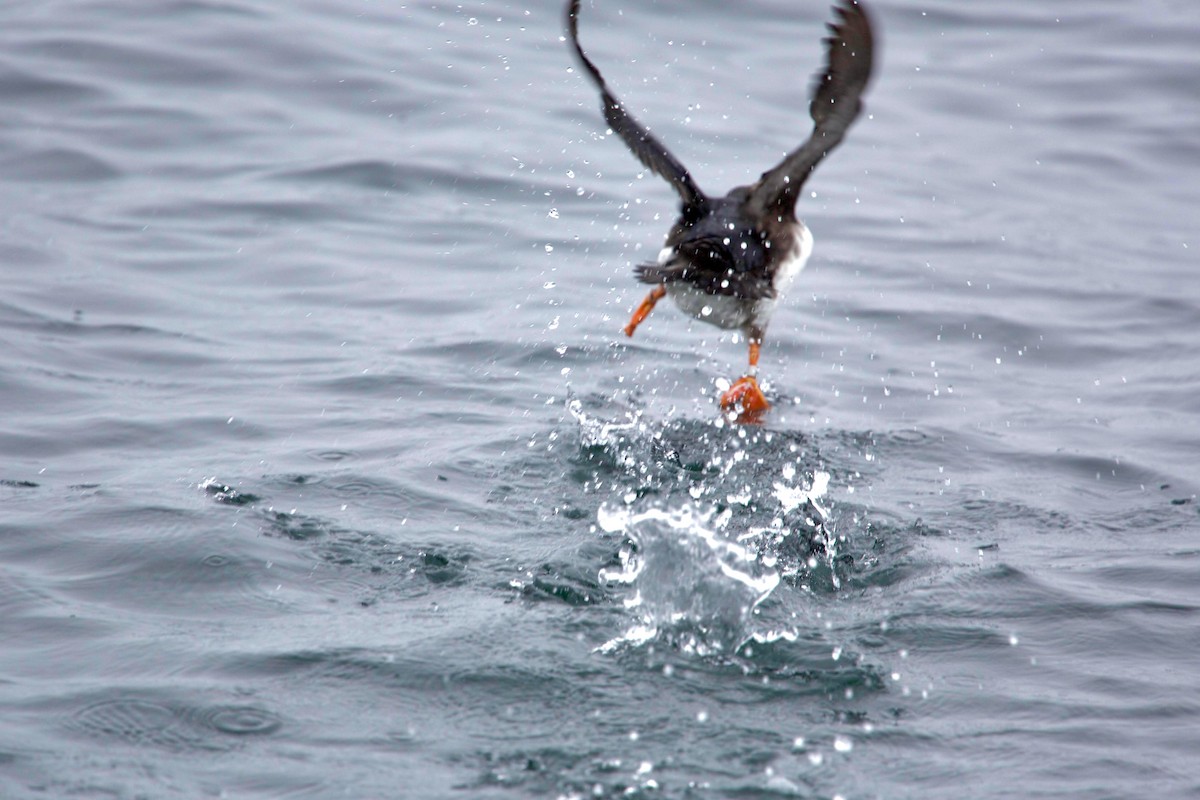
(644, 146)
(837, 102)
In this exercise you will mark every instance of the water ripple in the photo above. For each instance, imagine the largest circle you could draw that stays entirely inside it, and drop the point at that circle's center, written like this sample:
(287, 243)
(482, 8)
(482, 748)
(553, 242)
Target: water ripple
(145, 722)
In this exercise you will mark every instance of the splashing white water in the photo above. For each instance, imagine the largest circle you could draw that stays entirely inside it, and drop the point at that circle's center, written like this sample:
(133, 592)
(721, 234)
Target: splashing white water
(792, 497)
(696, 573)
(690, 580)
(597, 432)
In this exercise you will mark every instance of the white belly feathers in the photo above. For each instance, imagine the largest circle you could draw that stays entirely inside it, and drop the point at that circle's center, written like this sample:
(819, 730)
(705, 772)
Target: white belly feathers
(727, 311)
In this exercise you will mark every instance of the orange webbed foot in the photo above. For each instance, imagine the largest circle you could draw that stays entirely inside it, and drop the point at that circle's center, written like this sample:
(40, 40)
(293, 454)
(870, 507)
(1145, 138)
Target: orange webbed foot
(745, 399)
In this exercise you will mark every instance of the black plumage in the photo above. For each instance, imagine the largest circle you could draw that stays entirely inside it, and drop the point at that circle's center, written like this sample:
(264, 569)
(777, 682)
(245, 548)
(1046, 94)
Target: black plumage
(743, 250)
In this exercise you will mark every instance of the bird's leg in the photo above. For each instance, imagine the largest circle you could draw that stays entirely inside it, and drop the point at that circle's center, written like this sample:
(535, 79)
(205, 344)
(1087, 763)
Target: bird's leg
(643, 311)
(755, 347)
(744, 395)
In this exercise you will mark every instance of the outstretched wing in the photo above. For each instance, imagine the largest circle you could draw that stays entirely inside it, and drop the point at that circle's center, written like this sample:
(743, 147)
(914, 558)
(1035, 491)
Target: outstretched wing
(640, 141)
(835, 105)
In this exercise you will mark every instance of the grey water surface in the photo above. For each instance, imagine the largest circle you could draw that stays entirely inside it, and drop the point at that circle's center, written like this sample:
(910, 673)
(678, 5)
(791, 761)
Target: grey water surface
(325, 470)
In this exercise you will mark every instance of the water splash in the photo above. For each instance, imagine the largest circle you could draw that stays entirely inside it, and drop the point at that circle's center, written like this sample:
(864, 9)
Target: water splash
(690, 580)
(714, 519)
(594, 432)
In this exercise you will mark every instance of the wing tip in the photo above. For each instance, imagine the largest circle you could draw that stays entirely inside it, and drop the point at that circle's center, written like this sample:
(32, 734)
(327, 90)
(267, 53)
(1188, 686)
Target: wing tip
(836, 102)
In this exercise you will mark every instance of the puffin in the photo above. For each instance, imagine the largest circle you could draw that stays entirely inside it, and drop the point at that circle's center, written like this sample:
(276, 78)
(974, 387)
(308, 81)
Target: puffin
(729, 260)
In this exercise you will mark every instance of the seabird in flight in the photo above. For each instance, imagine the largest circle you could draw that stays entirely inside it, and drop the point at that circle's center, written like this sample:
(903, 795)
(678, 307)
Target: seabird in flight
(728, 260)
